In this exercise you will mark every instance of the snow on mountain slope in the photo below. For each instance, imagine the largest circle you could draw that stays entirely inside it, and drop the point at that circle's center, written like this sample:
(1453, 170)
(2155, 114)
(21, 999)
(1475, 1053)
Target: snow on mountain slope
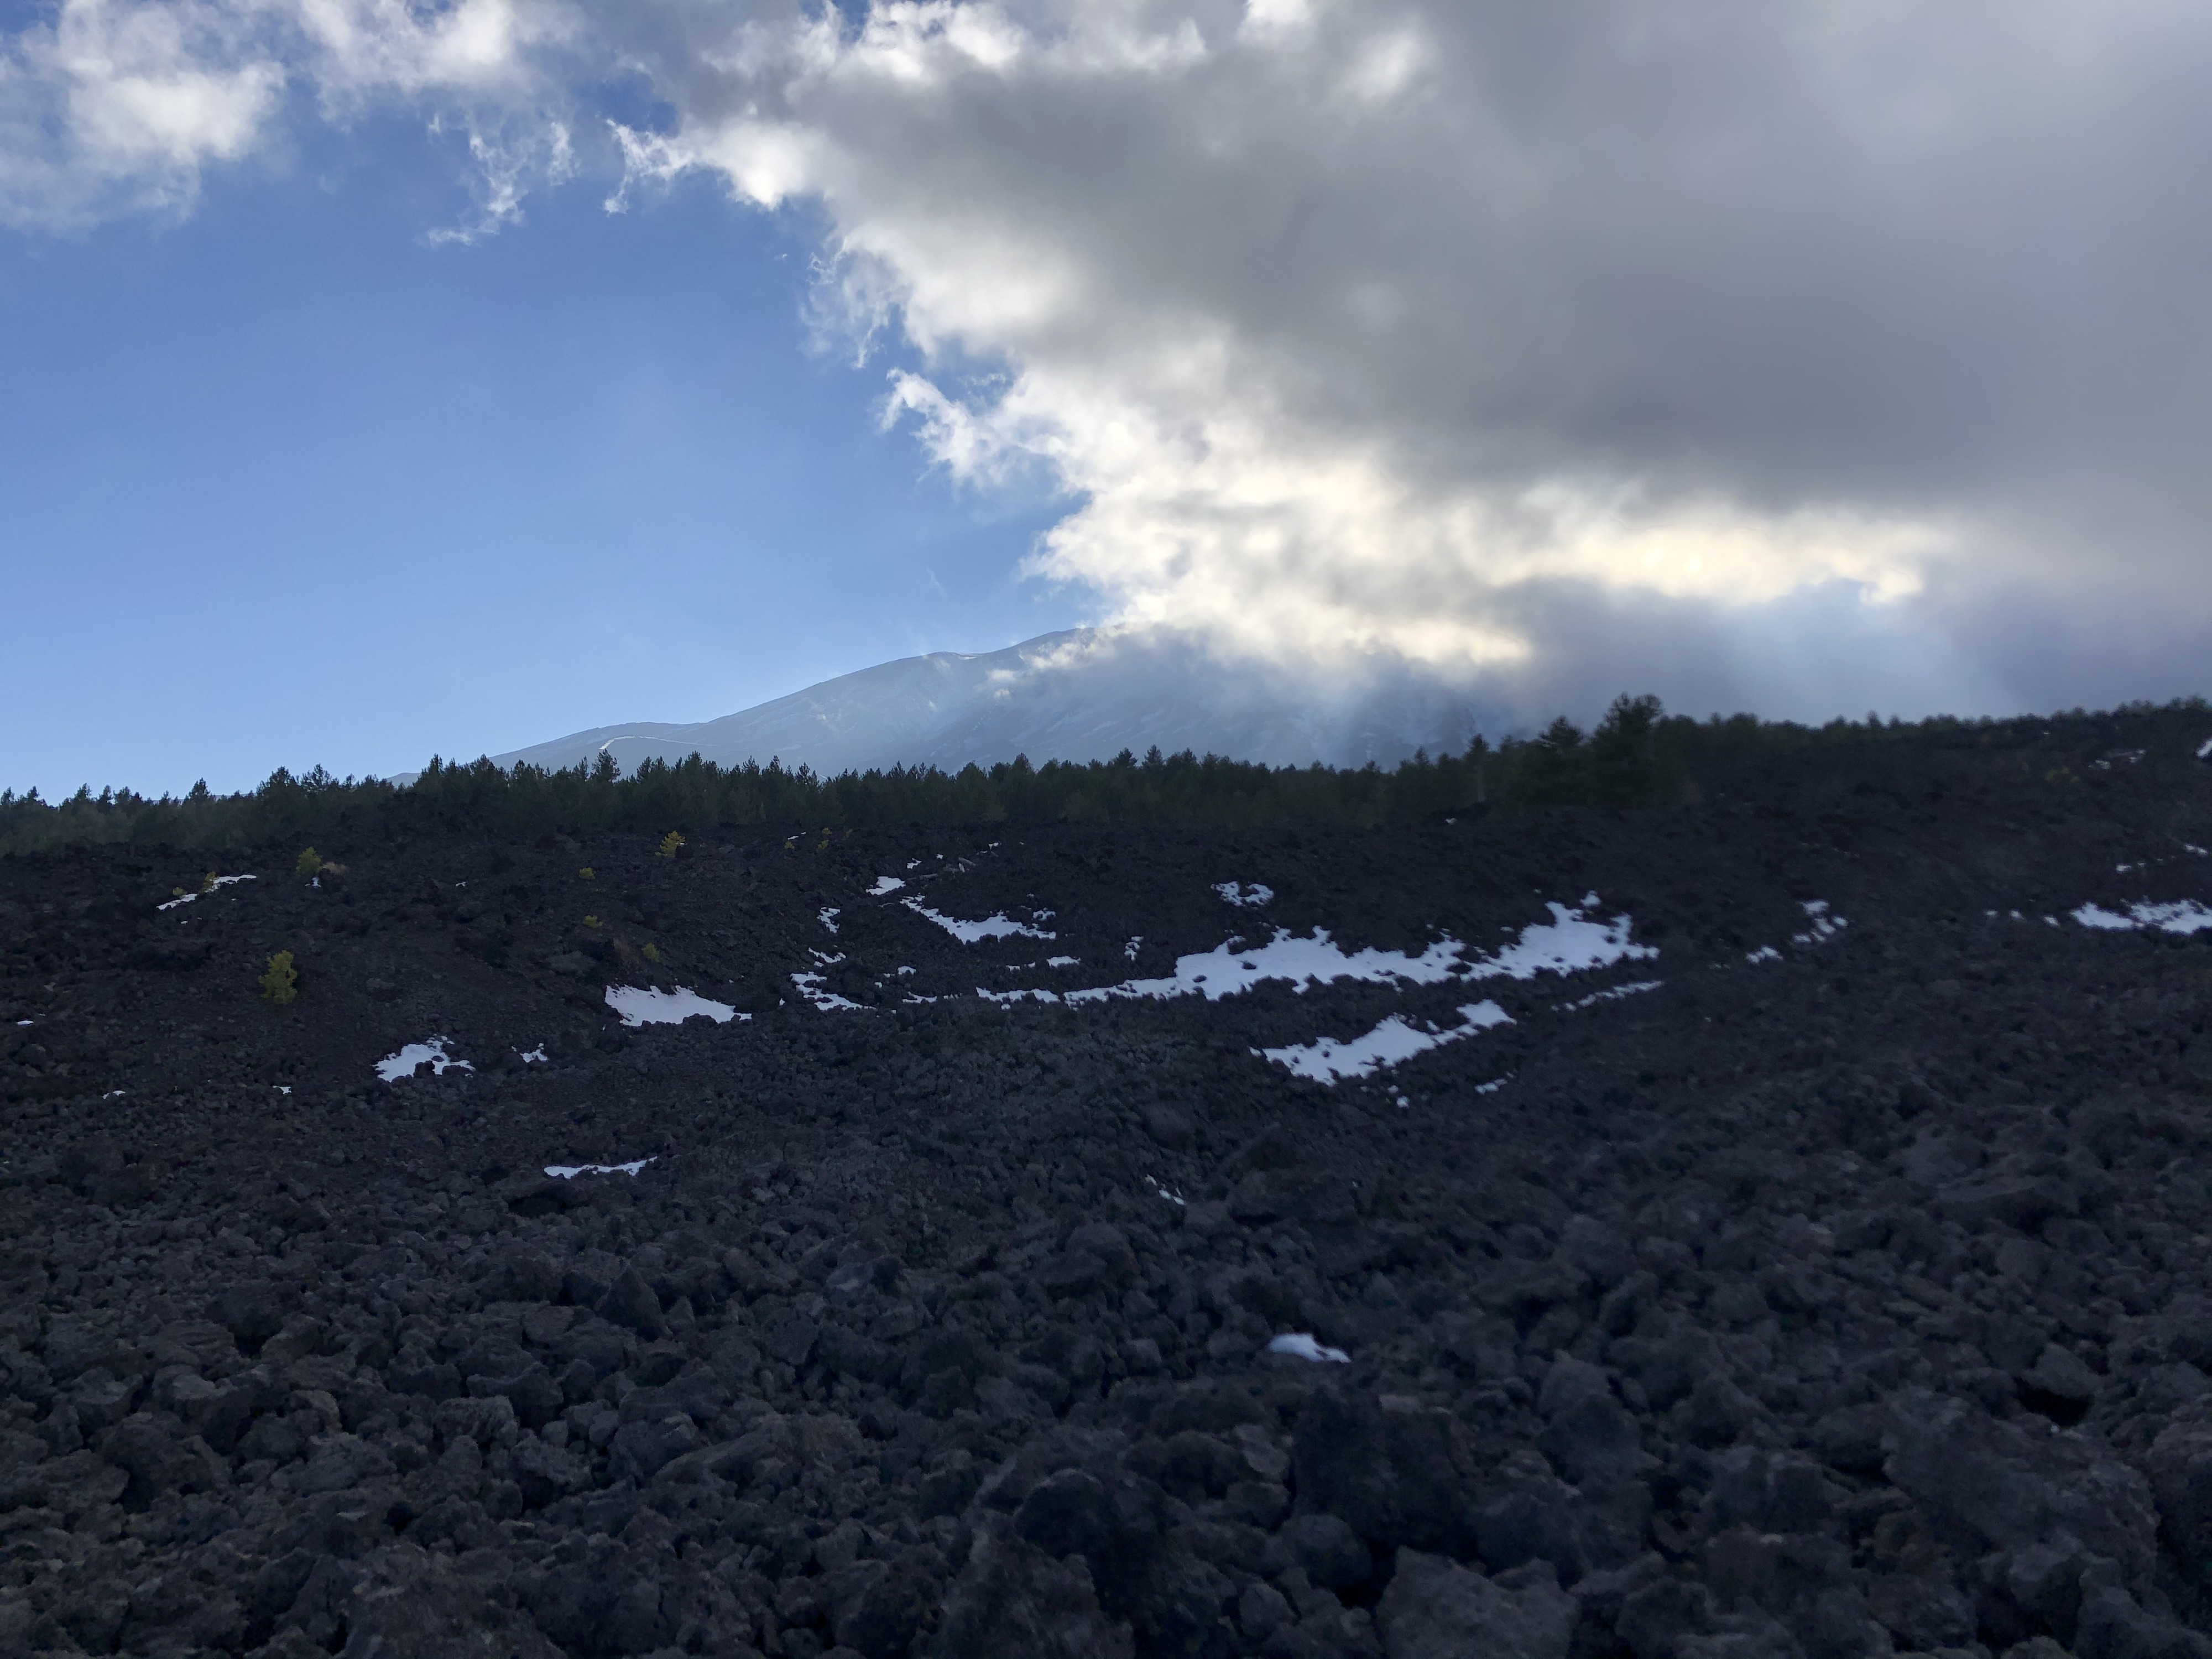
(1080, 695)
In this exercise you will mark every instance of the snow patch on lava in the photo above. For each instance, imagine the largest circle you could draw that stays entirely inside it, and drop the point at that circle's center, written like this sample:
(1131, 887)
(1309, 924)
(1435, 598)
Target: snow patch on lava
(392, 1067)
(1392, 1041)
(1821, 926)
(993, 926)
(811, 987)
(1572, 942)
(1232, 969)
(1613, 994)
(638, 1007)
(1301, 1345)
(2181, 916)
(187, 898)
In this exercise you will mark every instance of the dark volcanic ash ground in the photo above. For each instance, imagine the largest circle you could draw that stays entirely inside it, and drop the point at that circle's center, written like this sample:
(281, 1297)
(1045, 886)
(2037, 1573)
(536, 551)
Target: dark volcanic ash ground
(1783, 1233)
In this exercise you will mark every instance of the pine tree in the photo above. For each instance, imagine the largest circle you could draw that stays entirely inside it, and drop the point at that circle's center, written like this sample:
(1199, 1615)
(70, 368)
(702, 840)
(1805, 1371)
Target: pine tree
(280, 984)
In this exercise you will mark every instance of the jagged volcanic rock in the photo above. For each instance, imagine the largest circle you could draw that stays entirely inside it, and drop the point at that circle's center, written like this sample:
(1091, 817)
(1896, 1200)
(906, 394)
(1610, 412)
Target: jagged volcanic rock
(1776, 1226)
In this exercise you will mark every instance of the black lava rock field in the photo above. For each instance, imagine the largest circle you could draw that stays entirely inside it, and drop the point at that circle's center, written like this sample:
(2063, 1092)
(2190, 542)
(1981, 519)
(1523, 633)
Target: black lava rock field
(1775, 1226)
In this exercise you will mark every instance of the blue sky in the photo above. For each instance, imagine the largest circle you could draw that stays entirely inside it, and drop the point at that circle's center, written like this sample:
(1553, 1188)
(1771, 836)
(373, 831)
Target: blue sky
(1791, 357)
(287, 483)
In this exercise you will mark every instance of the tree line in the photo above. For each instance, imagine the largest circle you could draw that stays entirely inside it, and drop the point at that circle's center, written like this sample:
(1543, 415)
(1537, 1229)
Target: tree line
(1638, 756)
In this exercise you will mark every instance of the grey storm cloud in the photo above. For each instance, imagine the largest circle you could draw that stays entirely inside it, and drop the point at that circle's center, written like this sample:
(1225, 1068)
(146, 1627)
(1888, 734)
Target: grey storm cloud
(1821, 354)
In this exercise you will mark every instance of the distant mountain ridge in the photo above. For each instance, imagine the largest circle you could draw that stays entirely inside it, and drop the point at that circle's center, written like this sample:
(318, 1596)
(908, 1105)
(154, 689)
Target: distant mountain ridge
(1077, 695)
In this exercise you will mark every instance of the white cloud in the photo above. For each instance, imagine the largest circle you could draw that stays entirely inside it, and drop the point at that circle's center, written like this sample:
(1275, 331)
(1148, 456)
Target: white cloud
(120, 106)
(116, 106)
(508, 166)
(1442, 331)
(1345, 322)
(375, 48)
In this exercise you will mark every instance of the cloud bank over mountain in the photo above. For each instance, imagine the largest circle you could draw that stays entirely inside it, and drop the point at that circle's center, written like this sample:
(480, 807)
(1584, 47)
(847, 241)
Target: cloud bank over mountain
(1805, 351)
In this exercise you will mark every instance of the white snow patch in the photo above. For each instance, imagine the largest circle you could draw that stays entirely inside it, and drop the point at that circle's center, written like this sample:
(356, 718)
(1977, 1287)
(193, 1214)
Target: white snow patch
(536, 1057)
(1129, 950)
(1003, 997)
(1493, 1085)
(1764, 953)
(1394, 1041)
(1301, 1344)
(2182, 916)
(187, 898)
(995, 926)
(638, 1007)
(281, 1088)
(392, 1067)
(1248, 899)
(2191, 847)
(2205, 750)
(1613, 994)
(1229, 969)
(2096, 915)
(1167, 1192)
(828, 917)
(1571, 943)
(1061, 962)
(118, 1094)
(570, 1171)
(810, 987)
(1823, 928)
(886, 885)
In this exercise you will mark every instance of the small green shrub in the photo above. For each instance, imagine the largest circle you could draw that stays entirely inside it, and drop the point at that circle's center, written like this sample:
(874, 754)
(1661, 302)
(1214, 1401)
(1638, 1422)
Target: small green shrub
(671, 844)
(584, 874)
(310, 864)
(281, 983)
(651, 953)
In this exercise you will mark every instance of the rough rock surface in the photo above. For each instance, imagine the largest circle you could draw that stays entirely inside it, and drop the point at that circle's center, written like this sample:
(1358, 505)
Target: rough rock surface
(1832, 1283)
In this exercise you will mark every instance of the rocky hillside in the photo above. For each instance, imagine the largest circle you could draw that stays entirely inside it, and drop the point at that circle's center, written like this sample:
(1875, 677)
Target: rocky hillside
(1772, 1227)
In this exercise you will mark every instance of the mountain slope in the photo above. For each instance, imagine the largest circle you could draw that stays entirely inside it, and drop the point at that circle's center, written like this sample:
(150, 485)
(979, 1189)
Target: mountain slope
(1078, 695)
